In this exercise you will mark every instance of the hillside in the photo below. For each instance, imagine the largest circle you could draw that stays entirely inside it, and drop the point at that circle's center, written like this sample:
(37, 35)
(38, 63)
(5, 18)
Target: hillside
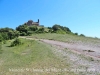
(33, 57)
(52, 50)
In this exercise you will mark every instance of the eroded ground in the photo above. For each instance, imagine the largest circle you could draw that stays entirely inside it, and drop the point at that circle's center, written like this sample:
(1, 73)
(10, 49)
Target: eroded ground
(84, 58)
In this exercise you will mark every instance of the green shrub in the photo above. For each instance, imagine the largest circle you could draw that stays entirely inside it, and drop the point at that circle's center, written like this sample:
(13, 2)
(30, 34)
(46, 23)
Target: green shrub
(29, 33)
(23, 34)
(76, 33)
(57, 27)
(16, 42)
(82, 35)
(60, 32)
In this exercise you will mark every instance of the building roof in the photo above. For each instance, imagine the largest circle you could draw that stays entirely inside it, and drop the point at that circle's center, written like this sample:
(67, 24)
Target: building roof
(30, 20)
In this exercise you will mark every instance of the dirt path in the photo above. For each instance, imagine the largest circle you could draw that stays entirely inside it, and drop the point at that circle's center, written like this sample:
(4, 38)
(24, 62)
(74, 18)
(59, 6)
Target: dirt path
(93, 51)
(83, 58)
(78, 56)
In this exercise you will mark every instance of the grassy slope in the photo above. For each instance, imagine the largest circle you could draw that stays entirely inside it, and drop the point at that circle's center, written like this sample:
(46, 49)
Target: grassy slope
(67, 38)
(32, 54)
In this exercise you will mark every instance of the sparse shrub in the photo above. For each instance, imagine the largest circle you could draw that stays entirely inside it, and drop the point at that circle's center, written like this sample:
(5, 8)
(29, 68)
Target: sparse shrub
(8, 33)
(60, 31)
(40, 30)
(82, 35)
(55, 27)
(58, 27)
(76, 33)
(16, 42)
(29, 33)
(23, 34)
(33, 28)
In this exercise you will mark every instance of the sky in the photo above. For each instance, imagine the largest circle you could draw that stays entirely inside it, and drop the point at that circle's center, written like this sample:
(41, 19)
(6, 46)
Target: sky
(81, 16)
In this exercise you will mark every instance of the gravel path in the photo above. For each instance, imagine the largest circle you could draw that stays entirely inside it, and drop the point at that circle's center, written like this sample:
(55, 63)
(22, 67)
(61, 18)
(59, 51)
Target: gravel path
(83, 58)
(89, 50)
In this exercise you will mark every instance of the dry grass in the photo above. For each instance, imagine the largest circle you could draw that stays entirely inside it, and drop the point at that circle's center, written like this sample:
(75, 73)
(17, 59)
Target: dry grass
(31, 58)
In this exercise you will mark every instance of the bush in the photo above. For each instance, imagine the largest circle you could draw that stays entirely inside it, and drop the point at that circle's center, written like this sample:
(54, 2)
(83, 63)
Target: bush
(40, 30)
(82, 35)
(76, 33)
(55, 27)
(58, 27)
(33, 28)
(29, 33)
(60, 32)
(23, 34)
(8, 33)
(16, 42)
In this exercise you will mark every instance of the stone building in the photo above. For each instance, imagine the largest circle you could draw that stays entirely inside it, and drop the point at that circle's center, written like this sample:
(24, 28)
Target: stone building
(31, 23)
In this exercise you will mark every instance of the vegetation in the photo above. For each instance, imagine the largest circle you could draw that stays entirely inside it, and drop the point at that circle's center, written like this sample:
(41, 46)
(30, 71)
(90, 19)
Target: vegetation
(76, 33)
(26, 30)
(58, 27)
(23, 59)
(66, 38)
(29, 30)
(35, 54)
(82, 35)
(8, 34)
(16, 42)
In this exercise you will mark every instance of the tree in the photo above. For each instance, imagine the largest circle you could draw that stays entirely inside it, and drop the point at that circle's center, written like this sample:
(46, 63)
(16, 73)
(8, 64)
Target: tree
(66, 29)
(22, 28)
(6, 29)
(8, 33)
(61, 28)
(55, 27)
(76, 33)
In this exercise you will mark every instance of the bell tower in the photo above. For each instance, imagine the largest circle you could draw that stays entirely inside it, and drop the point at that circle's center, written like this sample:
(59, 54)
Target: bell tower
(38, 20)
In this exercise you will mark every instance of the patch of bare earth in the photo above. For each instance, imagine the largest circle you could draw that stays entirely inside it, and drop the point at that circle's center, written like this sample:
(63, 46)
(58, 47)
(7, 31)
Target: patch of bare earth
(84, 58)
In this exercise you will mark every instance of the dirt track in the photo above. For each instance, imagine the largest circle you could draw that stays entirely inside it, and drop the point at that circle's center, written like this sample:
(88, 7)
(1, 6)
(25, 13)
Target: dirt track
(80, 56)
(93, 51)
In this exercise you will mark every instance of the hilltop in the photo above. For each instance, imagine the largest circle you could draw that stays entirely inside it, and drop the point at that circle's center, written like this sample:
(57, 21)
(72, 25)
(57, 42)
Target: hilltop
(47, 50)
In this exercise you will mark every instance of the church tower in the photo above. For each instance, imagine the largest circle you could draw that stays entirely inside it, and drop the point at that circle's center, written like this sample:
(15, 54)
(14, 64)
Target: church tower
(38, 20)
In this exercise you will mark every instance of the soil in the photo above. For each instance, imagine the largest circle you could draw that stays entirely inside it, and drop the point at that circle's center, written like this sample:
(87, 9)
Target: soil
(84, 58)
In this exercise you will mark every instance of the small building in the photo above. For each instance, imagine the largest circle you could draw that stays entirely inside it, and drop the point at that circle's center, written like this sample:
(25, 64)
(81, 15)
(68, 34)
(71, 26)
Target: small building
(31, 23)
